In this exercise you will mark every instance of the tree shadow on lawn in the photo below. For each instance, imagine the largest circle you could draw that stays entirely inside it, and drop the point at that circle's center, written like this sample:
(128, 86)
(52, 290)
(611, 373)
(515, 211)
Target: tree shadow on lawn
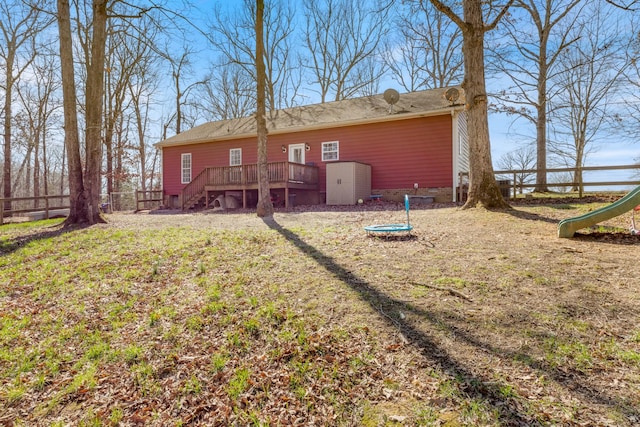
(613, 238)
(13, 244)
(529, 216)
(510, 410)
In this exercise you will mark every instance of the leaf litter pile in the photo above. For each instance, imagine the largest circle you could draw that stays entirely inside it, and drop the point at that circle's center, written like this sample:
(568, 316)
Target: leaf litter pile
(479, 318)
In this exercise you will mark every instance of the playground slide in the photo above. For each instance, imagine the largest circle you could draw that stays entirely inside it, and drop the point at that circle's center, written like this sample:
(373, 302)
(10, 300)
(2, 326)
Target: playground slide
(569, 226)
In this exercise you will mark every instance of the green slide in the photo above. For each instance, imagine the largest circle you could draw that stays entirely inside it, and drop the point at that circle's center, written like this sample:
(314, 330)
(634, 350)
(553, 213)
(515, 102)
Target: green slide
(569, 226)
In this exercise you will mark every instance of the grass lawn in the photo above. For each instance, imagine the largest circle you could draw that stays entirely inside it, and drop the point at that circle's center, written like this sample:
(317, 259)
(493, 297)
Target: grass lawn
(481, 318)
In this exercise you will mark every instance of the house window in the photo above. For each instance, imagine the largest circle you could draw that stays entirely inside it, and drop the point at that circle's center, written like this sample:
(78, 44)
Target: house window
(186, 168)
(235, 157)
(330, 151)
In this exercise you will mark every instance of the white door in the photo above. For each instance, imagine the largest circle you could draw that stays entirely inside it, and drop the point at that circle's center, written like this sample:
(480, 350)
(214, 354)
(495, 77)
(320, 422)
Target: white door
(296, 153)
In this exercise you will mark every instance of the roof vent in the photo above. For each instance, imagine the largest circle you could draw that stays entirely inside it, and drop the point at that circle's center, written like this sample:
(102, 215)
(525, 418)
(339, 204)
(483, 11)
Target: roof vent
(391, 96)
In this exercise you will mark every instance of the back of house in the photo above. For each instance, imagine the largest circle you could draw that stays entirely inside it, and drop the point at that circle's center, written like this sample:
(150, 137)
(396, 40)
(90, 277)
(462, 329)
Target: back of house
(418, 145)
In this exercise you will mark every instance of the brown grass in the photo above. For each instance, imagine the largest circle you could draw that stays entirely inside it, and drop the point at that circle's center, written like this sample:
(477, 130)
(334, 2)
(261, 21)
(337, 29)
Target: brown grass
(481, 318)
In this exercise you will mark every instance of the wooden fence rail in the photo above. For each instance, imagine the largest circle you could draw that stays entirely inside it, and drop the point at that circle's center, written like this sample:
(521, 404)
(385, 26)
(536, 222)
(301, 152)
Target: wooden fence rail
(148, 199)
(43, 204)
(516, 175)
(48, 205)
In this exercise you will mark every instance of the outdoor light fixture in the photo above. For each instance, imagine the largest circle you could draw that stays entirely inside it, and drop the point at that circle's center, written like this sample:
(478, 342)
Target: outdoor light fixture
(284, 149)
(307, 147)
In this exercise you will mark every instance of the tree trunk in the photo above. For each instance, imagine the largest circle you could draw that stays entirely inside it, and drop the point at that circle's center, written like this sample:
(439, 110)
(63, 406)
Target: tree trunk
(141, 148)
(94, 105)
(176, 76)
(78, 211)
(577, 175)
(265, 207)
(36, 164)
(45, 161)
(483, 189)
(541, 121)
(7, 130)
(541, 145)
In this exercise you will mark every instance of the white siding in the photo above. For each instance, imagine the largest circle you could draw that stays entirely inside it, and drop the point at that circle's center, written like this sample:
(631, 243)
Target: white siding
(460, 141)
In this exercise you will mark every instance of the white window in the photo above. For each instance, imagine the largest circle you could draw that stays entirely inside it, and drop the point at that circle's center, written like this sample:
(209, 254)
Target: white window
(235, 157)
(186, 168)
(330, 151)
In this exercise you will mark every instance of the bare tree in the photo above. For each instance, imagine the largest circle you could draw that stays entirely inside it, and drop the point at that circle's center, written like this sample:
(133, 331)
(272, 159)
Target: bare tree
(265, 206)
(84, 184)
(592, 72)
(234, 37)
(632, 98)
(130, 77)
(77, 196)
(628, 5)
(39, 104)
(141, 87)
(405, 64)
(119, 62)
(182, 82)
(19, 25)
(535, 41)
(429, 53)
(340, 35)
(94, 95)
(483, 189)
(228, 93)
(522, 159)
(367, 75)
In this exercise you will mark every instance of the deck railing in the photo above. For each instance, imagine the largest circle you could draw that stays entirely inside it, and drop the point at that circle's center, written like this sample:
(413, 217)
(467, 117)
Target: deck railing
(247, 175)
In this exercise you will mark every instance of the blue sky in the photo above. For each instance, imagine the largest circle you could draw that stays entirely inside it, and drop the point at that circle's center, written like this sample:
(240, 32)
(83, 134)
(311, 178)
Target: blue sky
(502, 128)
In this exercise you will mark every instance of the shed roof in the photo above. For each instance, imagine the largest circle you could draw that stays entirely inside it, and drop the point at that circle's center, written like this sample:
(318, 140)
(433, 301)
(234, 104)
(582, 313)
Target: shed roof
(347, 112)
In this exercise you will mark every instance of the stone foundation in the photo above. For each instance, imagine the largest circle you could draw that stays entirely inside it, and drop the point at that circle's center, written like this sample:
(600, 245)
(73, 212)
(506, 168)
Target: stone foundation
(439, 195)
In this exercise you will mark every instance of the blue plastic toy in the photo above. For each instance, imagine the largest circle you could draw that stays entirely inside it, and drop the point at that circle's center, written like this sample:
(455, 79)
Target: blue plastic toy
(392, 228)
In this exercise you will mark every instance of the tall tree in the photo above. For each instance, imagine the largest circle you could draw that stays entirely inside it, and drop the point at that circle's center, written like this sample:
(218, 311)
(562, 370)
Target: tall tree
(39, 105)
(340, 36)
(591, 76)
(84, 184)
(483, 189)
(19, 25)
(535, 41)
(229, 93)
(265, 206)
(141, 89)
(428, 54)
(77, 197)
(234, 37)
(181, 72)
(119, 68)
(632, 100)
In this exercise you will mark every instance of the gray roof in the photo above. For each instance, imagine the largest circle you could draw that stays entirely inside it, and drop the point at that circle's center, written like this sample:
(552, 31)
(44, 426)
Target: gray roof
(347, 112)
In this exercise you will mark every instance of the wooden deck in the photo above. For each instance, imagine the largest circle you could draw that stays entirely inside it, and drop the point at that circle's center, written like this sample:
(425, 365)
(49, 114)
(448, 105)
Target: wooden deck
(243, 178)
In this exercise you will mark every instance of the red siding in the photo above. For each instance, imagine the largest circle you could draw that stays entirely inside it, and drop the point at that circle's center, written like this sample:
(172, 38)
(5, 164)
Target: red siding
(400, 153)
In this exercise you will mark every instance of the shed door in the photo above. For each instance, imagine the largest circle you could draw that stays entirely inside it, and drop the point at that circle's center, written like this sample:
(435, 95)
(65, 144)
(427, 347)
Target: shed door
(340, 183)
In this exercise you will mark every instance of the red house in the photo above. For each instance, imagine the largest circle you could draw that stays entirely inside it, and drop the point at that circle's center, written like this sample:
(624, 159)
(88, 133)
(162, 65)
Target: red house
(413, 143)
